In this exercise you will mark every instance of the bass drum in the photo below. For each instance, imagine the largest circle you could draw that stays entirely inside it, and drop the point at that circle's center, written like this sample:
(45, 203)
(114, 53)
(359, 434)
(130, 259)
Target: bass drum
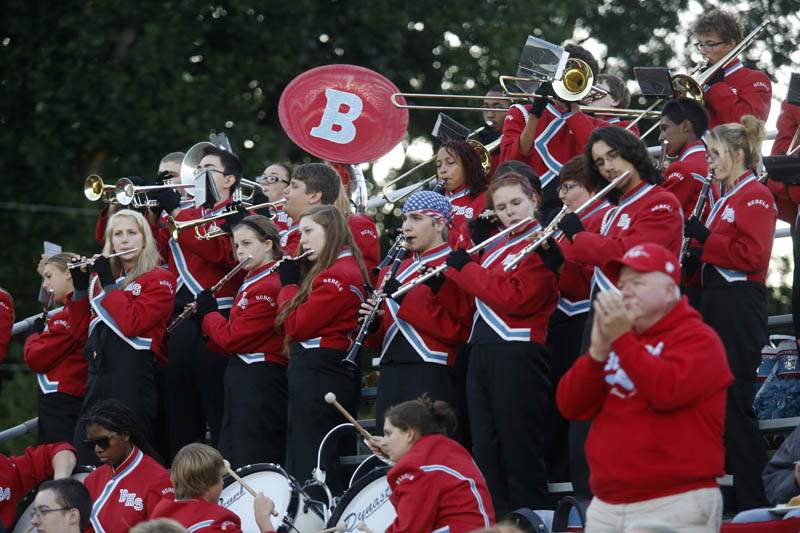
(295, 512)
(367, 500)
(22, 523)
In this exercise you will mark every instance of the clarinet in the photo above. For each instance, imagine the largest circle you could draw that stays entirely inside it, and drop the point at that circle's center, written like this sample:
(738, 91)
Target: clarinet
(47, 305)
(697, 211)
(377, 296)
(390, 255)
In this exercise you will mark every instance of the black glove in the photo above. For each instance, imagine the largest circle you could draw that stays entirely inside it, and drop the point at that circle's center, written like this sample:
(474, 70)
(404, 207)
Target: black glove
(481, 228)
(38, 325)
(80, 279)
(206, 303)
(289, 273)
(435, 283)
(695, 229)
(260, 198)
(390, 287)
(552, 257)
(539, 104)
(168, 199)
(718, 76)
(233, 219)
(102, 266)
(571, 225)
(457, 258)
(691, 261)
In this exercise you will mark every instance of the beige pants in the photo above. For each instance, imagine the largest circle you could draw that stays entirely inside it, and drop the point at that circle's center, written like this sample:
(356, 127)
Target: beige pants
(695, 511)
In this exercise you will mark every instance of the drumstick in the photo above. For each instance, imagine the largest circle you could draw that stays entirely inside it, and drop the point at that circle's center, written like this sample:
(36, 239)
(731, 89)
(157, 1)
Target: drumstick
(331, 399)
(361, 526)
(340, 527)
(243, 483)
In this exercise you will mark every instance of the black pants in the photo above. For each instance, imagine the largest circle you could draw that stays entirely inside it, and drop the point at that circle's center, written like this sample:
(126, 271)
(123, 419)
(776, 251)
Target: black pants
(117, 371)
(508, 390)
(254, 419)
(564, 346)
(313, 373)
(58, 415)
(738, 313)
(193, 387)
(400, 382)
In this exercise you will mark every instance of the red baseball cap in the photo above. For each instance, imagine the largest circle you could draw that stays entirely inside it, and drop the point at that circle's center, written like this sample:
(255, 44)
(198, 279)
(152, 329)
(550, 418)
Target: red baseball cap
(647, 257)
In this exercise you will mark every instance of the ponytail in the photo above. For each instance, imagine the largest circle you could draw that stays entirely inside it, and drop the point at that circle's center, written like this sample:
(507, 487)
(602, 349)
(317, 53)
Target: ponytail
(746, 136)
(424, 415)
(754, 136)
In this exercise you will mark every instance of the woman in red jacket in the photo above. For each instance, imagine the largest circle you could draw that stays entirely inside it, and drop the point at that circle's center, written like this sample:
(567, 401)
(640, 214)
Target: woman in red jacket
(735, 248)
(319, 302)
(254, 416)
(55, 352)
(125, 310)
(458, 168)
(434, 481)
(508, 382)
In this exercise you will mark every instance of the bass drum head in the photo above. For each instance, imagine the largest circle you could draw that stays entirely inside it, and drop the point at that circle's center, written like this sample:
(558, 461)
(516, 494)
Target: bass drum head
(269, 479)
(22, 523)
(366, 501)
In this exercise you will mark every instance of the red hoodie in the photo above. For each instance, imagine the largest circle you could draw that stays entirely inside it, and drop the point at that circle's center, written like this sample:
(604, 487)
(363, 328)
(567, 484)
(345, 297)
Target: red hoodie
(436, 486)
(657, 407)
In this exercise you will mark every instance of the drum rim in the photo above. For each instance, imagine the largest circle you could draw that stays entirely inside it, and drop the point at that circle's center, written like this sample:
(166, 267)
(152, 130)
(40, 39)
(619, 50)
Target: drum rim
(355, 488)
(294, 497)
(27, 500)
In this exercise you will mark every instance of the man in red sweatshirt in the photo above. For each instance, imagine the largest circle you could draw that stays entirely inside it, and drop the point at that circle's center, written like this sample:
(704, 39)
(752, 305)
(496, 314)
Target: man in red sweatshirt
(654, 382)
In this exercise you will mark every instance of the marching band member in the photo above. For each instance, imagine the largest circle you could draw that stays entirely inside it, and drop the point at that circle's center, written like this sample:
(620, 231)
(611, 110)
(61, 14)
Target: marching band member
(318, 184)
(125, 310)
(420, 336)
(644, 212)
(130, 482)
(567, 322)
(493, 122)
(734, 90)
(618, 97)
(61, 506)
(548, 133)
(19, 474)
(55, 352)
(459, 168)
(196, 475)
(254, 419)
(683, 124)
(434, 482)
(274, 181)
(508, 360)
(319, 311)
(6, 322)
(736, 243)
(193, 389)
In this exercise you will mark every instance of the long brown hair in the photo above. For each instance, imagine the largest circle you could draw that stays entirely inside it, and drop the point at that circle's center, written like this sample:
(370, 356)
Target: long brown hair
(337, 236)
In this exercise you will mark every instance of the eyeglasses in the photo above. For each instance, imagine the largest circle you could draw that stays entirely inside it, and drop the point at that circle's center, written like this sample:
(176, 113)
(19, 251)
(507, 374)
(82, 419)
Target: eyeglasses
(103, 442)
(566, 187)
(708, 45)
(42, 512)
(270, 180)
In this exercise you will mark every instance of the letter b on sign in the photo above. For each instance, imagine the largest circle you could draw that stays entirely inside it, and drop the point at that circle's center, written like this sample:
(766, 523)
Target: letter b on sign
(337, 125)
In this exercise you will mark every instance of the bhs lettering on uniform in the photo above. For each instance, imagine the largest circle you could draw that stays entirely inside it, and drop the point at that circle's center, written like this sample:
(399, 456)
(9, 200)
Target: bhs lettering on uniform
(5, 494)
(333, 281)
(465, 211)
(130, 499)
(135, 288)
(624, 221)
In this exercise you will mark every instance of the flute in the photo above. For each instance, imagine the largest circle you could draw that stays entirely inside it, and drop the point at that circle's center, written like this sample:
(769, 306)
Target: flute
(90, 262)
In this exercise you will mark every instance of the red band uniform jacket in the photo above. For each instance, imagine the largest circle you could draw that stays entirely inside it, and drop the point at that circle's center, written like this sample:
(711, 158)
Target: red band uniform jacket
(56, 355)
(657, 407)
(6, 322)
(743, 91)
(198, 516)
(463, 209)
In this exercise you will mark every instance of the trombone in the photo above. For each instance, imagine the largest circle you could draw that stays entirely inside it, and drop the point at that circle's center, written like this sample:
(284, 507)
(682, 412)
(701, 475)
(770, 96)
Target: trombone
(126, 193)
(176, 226)
(574, 85)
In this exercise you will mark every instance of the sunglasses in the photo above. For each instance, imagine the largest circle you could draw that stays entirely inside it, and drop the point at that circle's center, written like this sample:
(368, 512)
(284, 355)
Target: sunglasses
(103, 442)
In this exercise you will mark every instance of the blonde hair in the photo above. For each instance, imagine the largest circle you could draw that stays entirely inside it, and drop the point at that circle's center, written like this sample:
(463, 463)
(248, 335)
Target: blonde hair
(337, 236)
(746, 136)
(149, 258)
(61, 260)
(195, 469)
(159, 525)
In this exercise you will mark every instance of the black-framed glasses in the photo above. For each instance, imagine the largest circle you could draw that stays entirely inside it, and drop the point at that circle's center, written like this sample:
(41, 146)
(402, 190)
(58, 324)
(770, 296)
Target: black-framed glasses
(566, 187)
(42, 512)
(270, 180)
(103, 442)
(708, 45)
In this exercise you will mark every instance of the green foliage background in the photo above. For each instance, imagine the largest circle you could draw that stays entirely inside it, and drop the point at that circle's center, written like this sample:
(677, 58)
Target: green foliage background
(99, 86)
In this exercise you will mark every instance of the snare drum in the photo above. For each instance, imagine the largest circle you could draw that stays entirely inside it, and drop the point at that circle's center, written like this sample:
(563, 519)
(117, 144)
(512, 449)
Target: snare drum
(367, 500)
(291, 503)
(23, 520)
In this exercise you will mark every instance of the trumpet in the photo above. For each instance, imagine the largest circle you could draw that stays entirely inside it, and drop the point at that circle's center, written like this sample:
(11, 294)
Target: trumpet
(552, 227)
(90, 261)
(94, 189)
(127, 193)
(404, 288)
(246, 190)
(175, 226)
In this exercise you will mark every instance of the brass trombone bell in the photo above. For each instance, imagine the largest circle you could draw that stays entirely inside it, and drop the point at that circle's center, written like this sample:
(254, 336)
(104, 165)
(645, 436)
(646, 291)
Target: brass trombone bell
(575, 84)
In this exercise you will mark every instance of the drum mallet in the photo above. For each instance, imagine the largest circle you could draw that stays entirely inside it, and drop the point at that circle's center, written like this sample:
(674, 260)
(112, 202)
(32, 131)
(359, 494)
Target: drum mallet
(243, 483)
(331, 399)
(335, 529)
